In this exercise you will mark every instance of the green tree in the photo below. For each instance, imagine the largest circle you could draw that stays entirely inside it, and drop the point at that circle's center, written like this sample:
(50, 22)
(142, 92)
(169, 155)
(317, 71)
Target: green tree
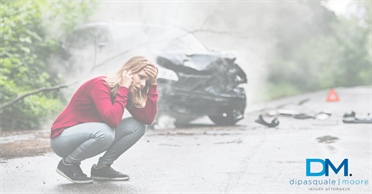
(30, 32)
(324, 52)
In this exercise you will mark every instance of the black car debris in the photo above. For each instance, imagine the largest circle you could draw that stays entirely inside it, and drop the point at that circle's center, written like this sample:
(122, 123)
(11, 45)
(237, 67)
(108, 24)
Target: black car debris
(192, 79)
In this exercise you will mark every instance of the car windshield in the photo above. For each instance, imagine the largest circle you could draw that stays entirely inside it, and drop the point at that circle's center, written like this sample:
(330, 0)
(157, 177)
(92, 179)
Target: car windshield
(160, 39)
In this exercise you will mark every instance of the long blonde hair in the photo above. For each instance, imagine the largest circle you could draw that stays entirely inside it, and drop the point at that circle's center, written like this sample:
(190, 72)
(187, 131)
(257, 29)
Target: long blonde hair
(135, 65)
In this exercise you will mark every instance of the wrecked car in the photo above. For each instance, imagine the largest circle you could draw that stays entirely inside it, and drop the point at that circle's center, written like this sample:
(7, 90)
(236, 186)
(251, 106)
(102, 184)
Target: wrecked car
(192, 81)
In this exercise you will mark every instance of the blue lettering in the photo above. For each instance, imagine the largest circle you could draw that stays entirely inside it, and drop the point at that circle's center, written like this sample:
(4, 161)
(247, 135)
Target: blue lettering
(344, 164)
(308, 167)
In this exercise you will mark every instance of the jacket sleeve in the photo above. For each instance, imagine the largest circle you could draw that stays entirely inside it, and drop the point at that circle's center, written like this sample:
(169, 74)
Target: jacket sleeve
(111, 113)
(147, 114)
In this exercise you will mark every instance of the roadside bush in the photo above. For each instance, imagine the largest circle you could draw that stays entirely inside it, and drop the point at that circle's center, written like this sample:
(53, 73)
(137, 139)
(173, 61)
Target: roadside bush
(30, 32)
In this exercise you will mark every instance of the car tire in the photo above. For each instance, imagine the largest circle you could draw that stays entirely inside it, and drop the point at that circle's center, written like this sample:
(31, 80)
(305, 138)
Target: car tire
(223, 119)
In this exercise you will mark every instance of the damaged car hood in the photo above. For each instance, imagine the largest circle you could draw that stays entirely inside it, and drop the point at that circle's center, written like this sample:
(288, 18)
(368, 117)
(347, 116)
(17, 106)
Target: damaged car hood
(211, 63)
(212, 73)
(196, 61)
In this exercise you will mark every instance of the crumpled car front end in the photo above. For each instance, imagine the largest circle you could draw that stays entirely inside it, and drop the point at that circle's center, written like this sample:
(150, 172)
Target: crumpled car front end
(202, 84)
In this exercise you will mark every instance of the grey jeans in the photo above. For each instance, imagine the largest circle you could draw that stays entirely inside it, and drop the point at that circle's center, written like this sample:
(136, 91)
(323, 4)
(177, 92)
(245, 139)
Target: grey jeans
(86, 140)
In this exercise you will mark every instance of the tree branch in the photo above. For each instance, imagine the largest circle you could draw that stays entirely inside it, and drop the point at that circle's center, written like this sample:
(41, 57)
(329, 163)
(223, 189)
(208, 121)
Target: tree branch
(34, 92)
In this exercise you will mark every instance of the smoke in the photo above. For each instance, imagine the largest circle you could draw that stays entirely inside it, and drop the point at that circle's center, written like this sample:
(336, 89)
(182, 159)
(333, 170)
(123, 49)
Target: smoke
(244, 27)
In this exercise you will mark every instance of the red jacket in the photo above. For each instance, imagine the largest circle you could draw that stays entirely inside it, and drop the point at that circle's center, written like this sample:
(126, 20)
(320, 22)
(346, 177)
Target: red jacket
(92, 103)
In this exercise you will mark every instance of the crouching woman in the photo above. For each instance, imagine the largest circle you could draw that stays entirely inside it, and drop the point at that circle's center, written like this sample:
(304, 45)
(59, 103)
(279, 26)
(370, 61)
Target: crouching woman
(92, 121)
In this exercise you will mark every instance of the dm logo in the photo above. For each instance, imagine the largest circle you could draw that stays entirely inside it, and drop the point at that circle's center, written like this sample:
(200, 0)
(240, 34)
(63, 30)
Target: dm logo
(326, 164)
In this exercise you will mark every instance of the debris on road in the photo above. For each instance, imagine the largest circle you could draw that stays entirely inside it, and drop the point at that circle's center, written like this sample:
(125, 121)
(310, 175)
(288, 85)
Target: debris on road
(273, 123)
(352, 114)
(351, 118)
(357, 120)
(327, 139)
(323, 115)
(319, 116)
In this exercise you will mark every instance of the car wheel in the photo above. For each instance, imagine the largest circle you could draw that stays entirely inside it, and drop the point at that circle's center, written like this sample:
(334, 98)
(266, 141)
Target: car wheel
(225, 118)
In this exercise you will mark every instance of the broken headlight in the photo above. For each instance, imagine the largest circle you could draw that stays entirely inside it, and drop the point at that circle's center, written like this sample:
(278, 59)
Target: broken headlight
(168, 74)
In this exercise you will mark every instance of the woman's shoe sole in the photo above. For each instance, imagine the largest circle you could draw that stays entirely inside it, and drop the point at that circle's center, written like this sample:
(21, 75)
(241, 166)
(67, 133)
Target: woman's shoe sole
(109, 179)
(63, 174)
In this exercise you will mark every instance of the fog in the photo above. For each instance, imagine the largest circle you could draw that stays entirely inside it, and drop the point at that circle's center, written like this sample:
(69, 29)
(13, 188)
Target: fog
(241, 26)
(258, 32)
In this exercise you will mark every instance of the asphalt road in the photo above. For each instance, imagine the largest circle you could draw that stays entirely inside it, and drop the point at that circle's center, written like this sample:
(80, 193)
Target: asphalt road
(247, 158)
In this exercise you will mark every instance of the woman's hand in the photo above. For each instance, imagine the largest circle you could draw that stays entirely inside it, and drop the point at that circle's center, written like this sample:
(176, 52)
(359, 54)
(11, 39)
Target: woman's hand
(126, 79)
(152, 71)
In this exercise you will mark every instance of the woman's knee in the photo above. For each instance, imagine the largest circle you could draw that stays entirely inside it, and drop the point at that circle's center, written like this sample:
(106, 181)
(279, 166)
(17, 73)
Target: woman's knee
(134, 126)
(105, 135)
(141, 129)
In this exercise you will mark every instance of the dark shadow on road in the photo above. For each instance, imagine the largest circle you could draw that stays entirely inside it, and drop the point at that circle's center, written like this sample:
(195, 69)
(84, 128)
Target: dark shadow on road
(186, 126)
(97, 187)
